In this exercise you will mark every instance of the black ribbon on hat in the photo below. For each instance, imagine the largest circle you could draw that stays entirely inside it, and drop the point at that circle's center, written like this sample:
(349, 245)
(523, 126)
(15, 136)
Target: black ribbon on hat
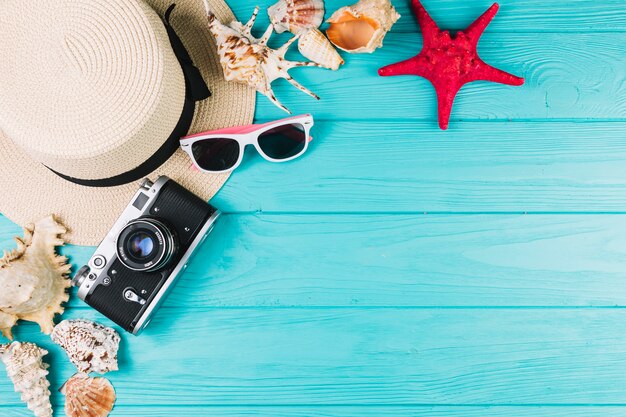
(195, 90)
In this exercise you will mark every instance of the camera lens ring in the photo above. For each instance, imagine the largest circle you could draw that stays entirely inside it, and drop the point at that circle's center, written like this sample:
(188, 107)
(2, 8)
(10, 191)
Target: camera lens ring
(162, 244)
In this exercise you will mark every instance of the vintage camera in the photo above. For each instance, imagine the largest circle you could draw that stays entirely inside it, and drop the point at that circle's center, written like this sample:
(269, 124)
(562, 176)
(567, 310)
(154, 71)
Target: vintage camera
(145, 252)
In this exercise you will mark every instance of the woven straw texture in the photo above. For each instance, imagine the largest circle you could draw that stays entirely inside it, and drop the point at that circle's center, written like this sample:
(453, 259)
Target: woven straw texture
(94, 96)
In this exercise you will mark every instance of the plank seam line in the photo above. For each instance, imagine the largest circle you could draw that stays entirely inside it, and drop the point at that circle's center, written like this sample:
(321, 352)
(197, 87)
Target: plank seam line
(357, 307)
(399, 405)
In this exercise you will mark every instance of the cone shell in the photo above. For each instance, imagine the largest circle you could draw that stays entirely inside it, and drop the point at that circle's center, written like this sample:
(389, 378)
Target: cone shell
(314, 46)
(296, 16)
(362, 26)
(33, 278)
(90, 346)
(25, 367)
(88, 397)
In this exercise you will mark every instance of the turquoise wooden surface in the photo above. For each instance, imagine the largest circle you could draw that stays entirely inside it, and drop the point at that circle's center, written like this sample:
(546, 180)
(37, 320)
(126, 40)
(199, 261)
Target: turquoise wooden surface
(397, 270)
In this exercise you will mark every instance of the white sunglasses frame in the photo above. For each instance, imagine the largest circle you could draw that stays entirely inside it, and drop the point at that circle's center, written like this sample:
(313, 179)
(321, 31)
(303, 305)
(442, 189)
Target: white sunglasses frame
(248, 135)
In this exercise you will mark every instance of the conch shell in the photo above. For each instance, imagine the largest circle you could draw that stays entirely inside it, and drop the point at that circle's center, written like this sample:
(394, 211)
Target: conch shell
(28, 372)
(249, 60)
(296, 16)
(314, 46)
(90, 346)
(34, 278)
(362, 26)
(88, 397)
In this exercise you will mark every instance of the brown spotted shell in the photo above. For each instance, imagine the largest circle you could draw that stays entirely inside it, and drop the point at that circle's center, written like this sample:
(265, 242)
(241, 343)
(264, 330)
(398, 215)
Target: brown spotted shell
(90, 346)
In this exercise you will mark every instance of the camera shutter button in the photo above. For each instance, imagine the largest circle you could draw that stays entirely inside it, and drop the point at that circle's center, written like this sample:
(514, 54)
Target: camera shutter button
(99, 261)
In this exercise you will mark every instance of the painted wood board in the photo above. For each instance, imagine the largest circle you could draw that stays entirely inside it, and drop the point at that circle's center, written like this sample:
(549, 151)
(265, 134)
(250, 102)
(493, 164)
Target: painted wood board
(513, 16)
(365, 356)
(437, 260)
(352, 410)
(573, 76)
(401, 166)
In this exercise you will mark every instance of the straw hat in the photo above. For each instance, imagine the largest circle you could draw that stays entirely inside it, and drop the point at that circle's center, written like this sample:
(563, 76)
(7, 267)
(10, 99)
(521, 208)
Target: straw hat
(94, 94)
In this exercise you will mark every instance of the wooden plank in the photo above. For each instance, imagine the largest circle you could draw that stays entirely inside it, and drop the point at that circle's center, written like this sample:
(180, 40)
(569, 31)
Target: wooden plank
(514, 15)
(562, 82)
(404, 260)
(351, 411)
(365, 356)
(414, 167)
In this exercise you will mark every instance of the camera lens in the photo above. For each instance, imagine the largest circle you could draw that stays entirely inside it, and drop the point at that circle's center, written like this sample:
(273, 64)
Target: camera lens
(146, 244)
(140, 245)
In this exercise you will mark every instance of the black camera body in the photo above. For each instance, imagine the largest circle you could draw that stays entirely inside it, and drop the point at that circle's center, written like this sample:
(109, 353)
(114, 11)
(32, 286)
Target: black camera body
(145, 252)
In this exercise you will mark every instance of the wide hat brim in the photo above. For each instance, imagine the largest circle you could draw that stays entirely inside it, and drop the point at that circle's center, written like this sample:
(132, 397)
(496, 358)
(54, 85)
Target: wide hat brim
(31, 191)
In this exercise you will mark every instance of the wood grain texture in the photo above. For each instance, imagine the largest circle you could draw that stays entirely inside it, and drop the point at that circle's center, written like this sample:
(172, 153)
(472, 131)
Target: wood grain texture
(436, 260)
(567, 76)
(364, 356)
(413, 167)
(352, 411)
(514, 15)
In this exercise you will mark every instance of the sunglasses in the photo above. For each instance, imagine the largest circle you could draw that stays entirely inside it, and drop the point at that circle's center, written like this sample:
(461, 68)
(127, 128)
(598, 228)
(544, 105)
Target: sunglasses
(221, 150)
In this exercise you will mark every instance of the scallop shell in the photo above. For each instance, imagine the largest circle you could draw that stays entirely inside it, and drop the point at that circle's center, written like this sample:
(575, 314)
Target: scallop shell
(314, 46)
(296, 15)
(88, 397)
(27, 370)
(249, 60)
(90, 346)
(34, 278)
(362, 26)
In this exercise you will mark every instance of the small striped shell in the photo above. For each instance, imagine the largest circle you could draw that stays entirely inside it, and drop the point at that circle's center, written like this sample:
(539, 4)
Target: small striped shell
(296, 16)
(314, 46)
(88, 397)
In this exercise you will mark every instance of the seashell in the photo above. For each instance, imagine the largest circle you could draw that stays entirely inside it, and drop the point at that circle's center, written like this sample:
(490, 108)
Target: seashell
(34, 278)
(27, 371)
(90, 346)
(296, 15)
(88, 397)
(314, 46)
(248, 60)
(362, 26)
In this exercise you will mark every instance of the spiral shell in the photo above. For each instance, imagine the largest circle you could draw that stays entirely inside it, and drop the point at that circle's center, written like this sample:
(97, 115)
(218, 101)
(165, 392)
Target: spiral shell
(362, 26)
(90, 346)
(34, 278)
(88, 397)
(296, 15)
(314, 46)
(27, 370)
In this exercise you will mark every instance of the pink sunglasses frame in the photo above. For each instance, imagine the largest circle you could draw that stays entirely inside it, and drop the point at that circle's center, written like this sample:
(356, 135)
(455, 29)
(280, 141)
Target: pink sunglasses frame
(247, 135)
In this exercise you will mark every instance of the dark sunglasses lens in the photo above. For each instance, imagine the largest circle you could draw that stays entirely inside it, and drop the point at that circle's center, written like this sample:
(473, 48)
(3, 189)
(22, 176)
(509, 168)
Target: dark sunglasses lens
(283, 142)
(216, 154)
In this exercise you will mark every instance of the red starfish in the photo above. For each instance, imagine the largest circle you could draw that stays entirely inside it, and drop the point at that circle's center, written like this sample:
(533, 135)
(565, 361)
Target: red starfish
(450, 62)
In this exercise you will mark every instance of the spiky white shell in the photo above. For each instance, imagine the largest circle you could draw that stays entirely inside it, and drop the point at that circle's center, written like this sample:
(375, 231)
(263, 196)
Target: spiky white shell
(33, 278)
(90, 346)
(361, 27)
(25, 367)
(249, 60)
(88, 397)
(296, 15)
(313, 45)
